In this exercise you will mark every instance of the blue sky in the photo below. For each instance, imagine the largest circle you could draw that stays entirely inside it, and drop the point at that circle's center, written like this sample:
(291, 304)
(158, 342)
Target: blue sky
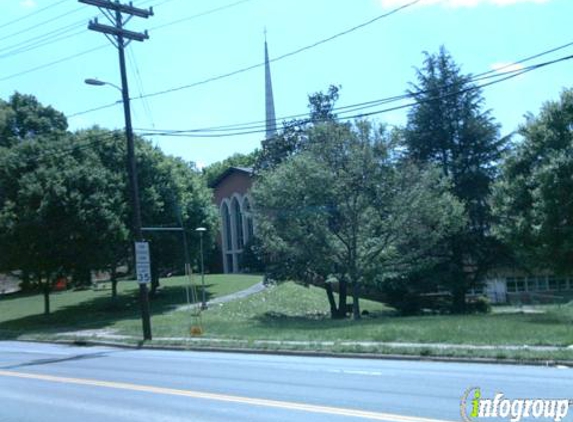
(373, 62)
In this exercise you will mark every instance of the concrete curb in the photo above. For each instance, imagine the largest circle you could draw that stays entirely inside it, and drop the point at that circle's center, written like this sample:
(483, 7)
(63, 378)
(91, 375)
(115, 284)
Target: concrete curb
(353, 355)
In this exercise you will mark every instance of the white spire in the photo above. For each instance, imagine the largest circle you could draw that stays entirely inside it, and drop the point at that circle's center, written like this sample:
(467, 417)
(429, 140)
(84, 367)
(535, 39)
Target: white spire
(271, 121)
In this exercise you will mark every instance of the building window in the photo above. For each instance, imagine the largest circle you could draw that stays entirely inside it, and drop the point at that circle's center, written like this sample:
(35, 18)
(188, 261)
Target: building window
(553, 284)
(227, 239)
(542, 283)
(511, 285)
(248, 219)
(520, 284)
(238, 217)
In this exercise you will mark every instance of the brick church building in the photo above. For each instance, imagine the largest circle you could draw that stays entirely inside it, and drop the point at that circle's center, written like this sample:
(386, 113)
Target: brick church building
(232, 198)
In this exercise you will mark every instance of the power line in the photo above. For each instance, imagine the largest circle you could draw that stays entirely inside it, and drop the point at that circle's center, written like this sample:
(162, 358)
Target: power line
(29, 15)
(41, 41)
(292, 53)
(343, 109)
(43, 66)
(198, 15)
(139, 82)
(500, 78)
(248, 68)
(67, 58)
(33, 27)
(47, 38)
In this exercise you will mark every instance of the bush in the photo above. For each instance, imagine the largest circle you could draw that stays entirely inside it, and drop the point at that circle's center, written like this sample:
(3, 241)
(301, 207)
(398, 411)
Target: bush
(400, 297)
(480, 305)
(253, 256)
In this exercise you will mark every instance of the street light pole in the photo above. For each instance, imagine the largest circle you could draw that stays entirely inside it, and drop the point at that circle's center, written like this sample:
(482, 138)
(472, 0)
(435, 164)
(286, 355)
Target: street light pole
(203, 301)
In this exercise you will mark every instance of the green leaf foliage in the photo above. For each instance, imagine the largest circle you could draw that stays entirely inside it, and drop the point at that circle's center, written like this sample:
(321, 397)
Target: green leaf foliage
(534, 196)
(343, 210)
(448, 127)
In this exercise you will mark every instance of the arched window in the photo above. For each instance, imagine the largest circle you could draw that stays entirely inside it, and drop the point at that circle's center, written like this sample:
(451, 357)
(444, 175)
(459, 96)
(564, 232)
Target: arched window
(227, 239)
(238, 222)
(248, 218)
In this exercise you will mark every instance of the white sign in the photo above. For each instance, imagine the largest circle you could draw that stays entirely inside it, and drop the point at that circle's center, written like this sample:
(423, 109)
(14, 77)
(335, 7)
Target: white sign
(142, 262)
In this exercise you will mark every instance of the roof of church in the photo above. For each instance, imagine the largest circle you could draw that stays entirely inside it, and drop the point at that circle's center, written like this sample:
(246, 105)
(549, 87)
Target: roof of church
(245, 170)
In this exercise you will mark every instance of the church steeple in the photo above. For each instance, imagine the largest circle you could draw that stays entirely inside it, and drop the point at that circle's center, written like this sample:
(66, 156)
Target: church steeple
(271, 121)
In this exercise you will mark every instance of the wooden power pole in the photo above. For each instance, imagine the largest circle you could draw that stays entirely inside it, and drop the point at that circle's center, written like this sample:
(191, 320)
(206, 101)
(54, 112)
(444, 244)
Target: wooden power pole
(120, 38)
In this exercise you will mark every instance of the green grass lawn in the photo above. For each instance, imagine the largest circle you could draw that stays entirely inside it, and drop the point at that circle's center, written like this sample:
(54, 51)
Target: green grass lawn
(92, 309)
(291, 312)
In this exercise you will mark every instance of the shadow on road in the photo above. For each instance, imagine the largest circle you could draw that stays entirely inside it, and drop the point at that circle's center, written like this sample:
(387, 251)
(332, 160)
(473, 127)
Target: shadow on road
(38, 362)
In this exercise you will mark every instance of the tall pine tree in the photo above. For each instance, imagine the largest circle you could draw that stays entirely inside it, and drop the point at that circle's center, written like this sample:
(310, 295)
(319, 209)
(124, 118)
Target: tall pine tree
(450, 128)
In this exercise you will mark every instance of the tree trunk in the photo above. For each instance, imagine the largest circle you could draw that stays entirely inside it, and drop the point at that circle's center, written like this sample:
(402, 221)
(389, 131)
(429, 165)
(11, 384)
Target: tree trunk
(154, 280)
(46, 290)
(356, 298)
(337, 312)
(331, 301)
(342, 296)
(26, 284)
(459, 298)
(114, 283)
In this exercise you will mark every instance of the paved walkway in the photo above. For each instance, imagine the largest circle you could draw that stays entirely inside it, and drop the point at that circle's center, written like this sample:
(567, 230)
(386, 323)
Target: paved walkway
(259, 287)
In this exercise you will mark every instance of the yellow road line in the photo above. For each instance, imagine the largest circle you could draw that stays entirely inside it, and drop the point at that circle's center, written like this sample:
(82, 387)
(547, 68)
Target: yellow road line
(223, 397)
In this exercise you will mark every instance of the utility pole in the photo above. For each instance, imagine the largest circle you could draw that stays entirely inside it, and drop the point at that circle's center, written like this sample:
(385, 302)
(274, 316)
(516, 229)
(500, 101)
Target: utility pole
(117, 35)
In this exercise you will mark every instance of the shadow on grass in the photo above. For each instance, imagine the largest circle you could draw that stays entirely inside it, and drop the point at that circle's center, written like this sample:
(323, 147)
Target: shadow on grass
(316, 320)
(96, 313)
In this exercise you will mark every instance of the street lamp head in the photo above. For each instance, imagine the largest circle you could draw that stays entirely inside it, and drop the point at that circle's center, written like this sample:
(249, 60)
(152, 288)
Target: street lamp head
(96, 82)
(200, 229)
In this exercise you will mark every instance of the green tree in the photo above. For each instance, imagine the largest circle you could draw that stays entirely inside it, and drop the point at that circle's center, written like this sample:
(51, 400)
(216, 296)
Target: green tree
(172, 193)
(293, 137)
(22, 117)
(213, 171)
(58, 211)
(448, 127)
(534, 197)
(342, 211)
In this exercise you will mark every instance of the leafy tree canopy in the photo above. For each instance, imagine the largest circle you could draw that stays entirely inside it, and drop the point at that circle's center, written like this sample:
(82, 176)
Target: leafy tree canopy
(342, 210)
(293, 137)
(22, 118)
(534, 197)
(449, 127)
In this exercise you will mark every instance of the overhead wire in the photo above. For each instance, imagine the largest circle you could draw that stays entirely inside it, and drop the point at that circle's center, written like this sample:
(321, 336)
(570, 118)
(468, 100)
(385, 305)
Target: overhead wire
(64, 59)
(139, 83)
(29, 15)
(501, 77)
(289, 54)
(41, 41)
(198, 15)
(38, 25)
(81, 53)
(281, 57)
(248, 68)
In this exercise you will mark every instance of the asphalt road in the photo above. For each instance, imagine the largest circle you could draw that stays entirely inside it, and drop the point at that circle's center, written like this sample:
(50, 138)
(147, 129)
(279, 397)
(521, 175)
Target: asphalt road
(43, 382)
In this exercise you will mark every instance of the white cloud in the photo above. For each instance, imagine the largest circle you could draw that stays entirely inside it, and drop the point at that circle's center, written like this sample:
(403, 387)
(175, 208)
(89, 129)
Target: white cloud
(459, 3)
(28, 4)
